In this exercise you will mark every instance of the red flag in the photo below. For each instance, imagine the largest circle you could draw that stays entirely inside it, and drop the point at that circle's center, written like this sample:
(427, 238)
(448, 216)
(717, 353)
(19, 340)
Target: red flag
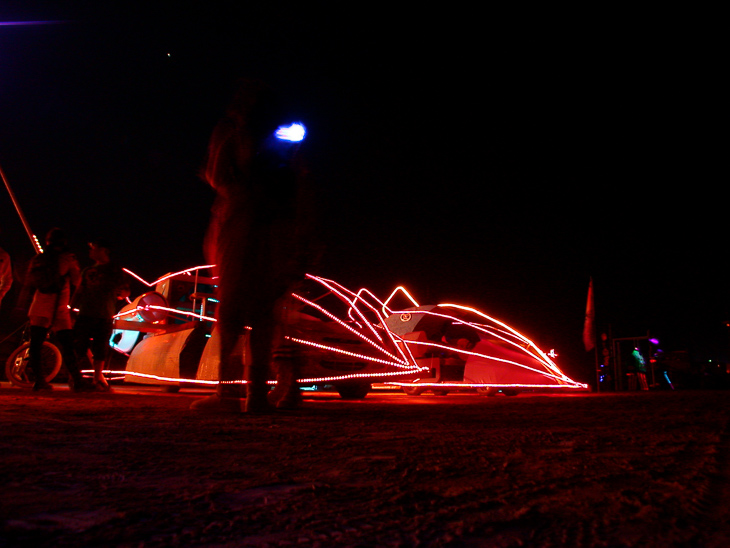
(589, 328)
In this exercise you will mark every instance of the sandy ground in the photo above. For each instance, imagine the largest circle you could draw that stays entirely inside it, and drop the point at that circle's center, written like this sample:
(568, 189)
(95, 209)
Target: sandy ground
(137, 468)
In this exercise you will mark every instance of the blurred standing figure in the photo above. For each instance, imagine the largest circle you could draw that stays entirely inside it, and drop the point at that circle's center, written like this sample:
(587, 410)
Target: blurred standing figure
(51, 275)
(258, 227)
(102, 285)
(640, 365)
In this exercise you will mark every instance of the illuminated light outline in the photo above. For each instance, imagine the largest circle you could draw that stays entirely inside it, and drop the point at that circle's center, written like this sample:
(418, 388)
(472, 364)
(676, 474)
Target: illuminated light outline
(336, 319)
(412, 368)
(487, 357)
(510, 329)
(398, 344)
(313, 380)
(348, 327)
(538, 354)
(507, 334)
(328, 284)
(483, 385)
(167, 276)
(403, 347)
(390, 298)
(317, 380)
(358, 298)
(476, 326)
(340, 292)
(167, 309)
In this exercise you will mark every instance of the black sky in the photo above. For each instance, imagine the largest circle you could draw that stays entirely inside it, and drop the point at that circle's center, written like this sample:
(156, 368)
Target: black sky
(497, 159)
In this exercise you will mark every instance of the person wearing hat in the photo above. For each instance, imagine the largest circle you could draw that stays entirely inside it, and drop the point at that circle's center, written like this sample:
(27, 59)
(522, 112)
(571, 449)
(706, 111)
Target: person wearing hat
(102, 285)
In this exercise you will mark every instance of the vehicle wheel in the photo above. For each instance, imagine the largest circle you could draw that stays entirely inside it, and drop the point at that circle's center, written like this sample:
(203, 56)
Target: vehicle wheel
(437, 392)
(413, 390)
(489, 391)
(17, 369)
(353, 391)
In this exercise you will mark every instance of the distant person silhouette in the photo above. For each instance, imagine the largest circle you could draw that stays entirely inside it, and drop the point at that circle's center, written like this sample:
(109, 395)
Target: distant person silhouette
(102, 285)
(51, 275)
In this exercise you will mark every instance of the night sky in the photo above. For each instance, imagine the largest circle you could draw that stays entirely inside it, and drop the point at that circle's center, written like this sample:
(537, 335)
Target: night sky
(497, 159)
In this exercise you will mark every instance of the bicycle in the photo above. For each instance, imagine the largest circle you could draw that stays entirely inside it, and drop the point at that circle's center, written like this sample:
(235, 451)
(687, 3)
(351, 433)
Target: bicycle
(17, 368)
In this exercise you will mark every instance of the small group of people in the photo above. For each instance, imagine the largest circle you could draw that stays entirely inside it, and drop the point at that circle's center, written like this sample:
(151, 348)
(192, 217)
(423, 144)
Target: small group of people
(78, 305)
(260, 239)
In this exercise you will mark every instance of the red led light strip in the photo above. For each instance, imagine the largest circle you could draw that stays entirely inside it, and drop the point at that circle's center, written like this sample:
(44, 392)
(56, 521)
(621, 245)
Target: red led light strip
(411, 368)
(167, 276)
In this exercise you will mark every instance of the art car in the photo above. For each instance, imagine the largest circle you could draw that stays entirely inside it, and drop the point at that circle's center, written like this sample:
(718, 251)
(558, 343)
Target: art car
(348, 340)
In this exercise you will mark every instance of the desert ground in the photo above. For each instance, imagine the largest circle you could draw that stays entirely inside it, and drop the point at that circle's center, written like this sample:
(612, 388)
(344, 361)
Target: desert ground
(138, 468)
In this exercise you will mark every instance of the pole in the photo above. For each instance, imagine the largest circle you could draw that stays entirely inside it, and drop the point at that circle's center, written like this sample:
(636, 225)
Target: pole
(596, 366)
(33, 239)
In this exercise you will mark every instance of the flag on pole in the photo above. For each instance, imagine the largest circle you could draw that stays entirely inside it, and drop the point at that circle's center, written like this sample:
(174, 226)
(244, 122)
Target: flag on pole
(589, 328)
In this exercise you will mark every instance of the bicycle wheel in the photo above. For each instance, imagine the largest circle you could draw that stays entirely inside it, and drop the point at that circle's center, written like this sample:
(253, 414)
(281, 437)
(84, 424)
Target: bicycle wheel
(17, 368)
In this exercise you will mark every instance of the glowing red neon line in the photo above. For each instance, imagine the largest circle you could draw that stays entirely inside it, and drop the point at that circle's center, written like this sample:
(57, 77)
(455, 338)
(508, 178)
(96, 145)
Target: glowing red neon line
(476, 326)
(396, 290)
(355, 376)
(165, 308)
(381, 319)
(536, 353)
(482, 385)
(355, 355)
(504, 325)
(167, 276)
(161, 378)
(329, 285)
(485, 356)
(398, 347)
(344, 324)
(340, 293)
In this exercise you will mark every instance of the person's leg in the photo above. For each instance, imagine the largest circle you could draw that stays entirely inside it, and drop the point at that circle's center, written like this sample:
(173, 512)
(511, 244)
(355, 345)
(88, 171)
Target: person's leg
(100, 334)
(256, 370)
(66, 342)
(287, 364)
(230, 369)
(286, 359)
(230, 391)
(38, 335)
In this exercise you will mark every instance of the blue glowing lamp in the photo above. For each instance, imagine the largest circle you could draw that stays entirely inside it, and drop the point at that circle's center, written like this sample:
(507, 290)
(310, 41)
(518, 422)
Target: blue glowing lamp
(293, 133)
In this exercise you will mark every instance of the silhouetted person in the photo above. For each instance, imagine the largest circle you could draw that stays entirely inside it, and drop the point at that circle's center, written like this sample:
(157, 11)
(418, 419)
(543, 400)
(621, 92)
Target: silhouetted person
(640, 368)
(255, 238)
(51, 274)
(102, 285)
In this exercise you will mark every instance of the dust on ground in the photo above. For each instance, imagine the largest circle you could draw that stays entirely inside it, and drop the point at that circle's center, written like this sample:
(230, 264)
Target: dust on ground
(138, 468)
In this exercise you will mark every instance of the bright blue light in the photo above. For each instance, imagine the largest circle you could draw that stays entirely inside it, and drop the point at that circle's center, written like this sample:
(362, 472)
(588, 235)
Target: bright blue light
(293, 133)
